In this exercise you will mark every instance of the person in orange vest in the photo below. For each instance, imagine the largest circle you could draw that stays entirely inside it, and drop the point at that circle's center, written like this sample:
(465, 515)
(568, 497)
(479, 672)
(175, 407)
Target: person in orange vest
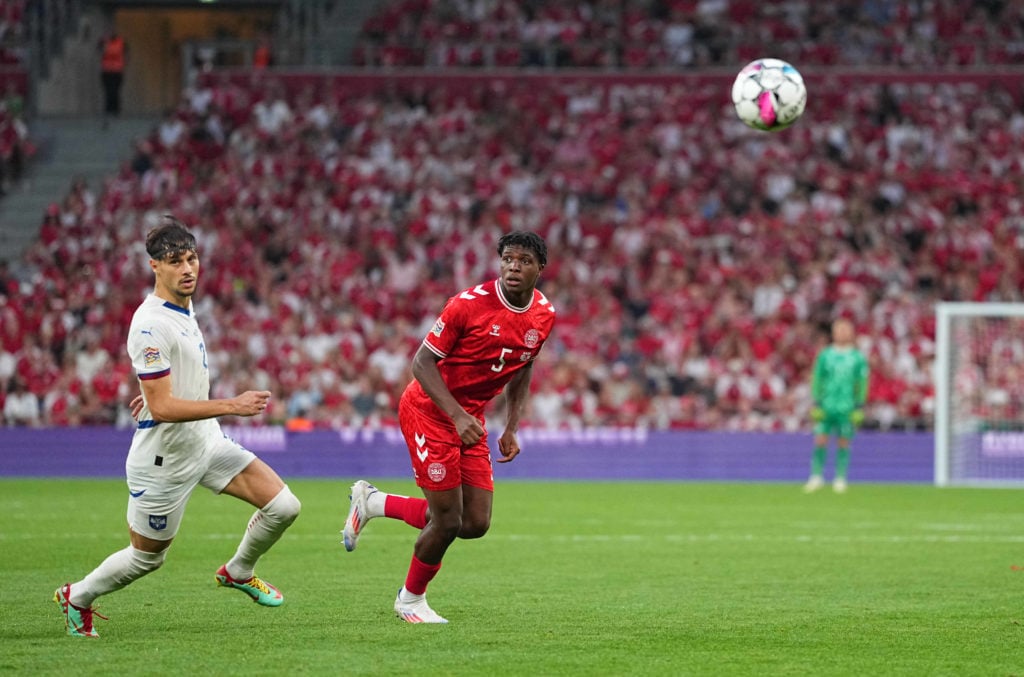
(262, 56)
(113, 54)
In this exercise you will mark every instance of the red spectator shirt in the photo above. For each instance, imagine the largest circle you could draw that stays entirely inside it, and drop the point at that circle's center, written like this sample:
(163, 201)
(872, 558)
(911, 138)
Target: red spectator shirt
(483, 340)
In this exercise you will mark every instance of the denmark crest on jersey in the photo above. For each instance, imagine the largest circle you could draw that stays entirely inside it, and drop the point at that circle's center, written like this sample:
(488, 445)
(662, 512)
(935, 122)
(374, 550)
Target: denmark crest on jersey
(151, 355)
(532, 338)
(438, 327)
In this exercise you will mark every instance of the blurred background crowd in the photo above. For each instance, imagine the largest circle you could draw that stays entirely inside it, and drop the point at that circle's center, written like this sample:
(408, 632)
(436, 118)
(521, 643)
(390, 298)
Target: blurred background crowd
(695, 265)
(653, 34)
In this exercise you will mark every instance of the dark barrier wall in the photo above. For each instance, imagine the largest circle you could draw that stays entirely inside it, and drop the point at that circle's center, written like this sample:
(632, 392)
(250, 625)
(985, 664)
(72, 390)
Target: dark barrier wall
(358, 82)
(595, 454)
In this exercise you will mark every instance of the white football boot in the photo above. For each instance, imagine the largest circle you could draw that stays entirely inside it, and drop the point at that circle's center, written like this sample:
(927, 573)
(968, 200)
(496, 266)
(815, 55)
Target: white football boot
(414, 609)
(358, 513)
(813, 484)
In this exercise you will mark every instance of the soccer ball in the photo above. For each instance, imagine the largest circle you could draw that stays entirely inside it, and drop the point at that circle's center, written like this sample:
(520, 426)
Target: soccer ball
(769, 94)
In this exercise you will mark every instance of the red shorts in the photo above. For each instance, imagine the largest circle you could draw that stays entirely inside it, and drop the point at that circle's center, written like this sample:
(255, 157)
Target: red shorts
(440, 461)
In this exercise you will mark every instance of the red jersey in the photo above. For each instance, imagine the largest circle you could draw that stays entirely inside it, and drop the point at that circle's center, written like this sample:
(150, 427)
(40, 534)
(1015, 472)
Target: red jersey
(483, 340)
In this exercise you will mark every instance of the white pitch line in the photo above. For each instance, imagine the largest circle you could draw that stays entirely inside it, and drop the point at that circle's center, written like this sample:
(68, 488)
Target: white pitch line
(802, 538)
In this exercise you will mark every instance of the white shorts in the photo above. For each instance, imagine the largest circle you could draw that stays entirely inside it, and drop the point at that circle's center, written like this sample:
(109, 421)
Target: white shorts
(157, 504)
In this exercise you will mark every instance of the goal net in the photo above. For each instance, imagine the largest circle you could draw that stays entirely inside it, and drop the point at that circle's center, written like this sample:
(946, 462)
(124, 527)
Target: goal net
(979, 394)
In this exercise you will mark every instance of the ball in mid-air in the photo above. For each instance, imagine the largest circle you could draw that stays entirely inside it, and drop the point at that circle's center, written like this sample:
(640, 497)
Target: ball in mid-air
(769, 94)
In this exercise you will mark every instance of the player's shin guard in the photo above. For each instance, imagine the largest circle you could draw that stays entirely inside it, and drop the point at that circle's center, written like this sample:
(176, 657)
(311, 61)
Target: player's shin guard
(114, 573)
(265, 528)
(419, 576)
(412, 511)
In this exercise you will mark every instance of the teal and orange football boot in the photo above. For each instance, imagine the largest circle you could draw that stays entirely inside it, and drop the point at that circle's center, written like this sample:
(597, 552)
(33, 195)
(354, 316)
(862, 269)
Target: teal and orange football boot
(77, 620)
(262, 593)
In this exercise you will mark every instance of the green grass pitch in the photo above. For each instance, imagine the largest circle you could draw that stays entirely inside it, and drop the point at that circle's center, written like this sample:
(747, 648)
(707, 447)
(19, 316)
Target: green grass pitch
(573, 579)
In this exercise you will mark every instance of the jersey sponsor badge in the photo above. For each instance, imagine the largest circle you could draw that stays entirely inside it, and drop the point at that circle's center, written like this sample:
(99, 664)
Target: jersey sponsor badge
(151, 355)
(438, 327)
(532, 338)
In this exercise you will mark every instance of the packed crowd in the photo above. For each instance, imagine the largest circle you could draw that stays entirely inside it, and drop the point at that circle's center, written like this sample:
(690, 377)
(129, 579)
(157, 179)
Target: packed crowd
(695, 264)
(645, 34)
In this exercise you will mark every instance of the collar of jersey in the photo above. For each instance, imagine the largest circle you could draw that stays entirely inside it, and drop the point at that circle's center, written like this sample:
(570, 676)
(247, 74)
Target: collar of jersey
(179, 309)
(505, 301)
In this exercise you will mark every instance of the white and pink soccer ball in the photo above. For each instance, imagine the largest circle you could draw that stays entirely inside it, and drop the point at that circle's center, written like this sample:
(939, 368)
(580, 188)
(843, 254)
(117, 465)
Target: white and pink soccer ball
(769, 94)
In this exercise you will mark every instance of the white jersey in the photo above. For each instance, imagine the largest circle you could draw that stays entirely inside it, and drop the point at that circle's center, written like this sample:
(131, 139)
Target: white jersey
(165, 341)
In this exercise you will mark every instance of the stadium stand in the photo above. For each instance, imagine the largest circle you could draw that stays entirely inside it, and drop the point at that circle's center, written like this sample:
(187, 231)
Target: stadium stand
(16, 145)
(656, 34)
(694, 265)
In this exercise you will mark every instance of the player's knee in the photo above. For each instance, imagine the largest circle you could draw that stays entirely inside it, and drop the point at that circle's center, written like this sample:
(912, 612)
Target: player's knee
(448, 526)
(284, 507)
(145, 562)
(474, 527)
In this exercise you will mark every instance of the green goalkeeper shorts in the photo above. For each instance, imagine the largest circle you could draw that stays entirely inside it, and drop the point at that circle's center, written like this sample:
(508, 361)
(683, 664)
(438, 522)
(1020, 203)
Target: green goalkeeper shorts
(836, 423)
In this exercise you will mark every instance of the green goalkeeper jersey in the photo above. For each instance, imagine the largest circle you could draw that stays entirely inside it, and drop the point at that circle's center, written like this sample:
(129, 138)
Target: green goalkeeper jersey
(840, 382)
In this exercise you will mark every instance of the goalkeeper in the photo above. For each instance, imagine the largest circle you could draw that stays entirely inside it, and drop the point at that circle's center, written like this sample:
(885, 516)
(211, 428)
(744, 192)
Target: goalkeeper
(839, 388)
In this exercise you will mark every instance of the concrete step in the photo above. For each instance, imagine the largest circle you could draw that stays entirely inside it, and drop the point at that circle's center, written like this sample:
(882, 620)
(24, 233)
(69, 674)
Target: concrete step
(70, 147)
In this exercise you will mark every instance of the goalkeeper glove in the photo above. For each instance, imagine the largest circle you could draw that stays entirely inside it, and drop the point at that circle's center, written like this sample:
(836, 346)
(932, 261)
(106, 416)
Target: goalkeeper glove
(817, 414)
(857, 416)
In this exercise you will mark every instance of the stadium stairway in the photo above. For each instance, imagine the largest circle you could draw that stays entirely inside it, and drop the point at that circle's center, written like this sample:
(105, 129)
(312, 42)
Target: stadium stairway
(69, 147)
(337, 36)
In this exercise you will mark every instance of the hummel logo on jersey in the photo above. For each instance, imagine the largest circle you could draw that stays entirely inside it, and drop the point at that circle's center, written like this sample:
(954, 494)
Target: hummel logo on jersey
(478, 290)
(421, 441)
(495, 328)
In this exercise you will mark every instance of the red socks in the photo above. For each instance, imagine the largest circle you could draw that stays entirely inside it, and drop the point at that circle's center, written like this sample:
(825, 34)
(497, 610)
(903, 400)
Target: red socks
(413, 511)
(420, 575)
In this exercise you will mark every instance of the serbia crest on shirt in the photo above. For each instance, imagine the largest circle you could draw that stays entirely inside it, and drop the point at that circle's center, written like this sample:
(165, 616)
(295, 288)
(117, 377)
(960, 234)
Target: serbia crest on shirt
(484, 340)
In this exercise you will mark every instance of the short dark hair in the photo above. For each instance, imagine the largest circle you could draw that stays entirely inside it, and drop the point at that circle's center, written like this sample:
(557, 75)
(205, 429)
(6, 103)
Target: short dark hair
(526, 240)
(170, 239)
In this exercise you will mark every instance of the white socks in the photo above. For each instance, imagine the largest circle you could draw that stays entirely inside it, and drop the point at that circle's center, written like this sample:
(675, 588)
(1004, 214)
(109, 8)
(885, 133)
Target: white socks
(130, 564)
(115, 572)
(266, 526)
(375, 503)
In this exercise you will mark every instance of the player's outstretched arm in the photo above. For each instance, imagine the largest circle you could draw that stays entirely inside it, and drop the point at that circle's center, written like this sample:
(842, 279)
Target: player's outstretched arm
(424, 370)
(166, 408)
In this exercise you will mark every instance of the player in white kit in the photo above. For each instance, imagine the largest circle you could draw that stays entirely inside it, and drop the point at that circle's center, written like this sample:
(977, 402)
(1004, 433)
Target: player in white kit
(179, 444)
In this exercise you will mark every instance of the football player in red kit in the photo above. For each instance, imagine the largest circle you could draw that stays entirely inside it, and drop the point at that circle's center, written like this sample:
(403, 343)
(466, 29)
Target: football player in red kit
(485, 340)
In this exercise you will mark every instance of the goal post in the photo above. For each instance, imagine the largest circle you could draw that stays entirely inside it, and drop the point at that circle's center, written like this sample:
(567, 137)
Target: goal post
(979, 394)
